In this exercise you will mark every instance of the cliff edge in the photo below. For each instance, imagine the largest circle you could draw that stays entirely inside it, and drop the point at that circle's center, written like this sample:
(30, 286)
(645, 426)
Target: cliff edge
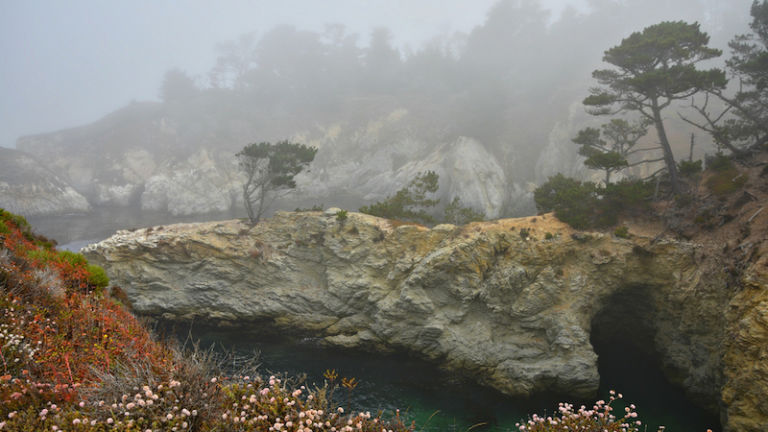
(512, 303)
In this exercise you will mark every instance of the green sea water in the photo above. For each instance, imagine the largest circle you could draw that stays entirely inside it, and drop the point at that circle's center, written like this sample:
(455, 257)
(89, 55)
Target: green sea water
(441, 401)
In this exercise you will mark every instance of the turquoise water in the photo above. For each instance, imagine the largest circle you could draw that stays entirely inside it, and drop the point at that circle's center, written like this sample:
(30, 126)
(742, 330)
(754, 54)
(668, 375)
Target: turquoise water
(435, 400)
(440, 401)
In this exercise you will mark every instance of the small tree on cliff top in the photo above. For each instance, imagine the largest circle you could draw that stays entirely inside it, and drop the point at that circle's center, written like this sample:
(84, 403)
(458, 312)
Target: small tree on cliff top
(608, 148)
(654, 68)
(270, 170)
(410, 202)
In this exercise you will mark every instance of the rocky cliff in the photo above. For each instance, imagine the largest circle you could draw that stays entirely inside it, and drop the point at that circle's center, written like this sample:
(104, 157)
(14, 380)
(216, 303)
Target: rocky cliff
(27, 187)
(157, 157)
(515, 303)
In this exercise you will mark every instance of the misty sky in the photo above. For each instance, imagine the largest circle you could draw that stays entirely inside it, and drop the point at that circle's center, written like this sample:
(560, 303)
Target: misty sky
(66, 63)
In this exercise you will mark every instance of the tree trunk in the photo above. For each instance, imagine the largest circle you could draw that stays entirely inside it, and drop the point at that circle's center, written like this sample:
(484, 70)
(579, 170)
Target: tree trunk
(669, 157)
(262, 197)
(248, 204)
(607, 177)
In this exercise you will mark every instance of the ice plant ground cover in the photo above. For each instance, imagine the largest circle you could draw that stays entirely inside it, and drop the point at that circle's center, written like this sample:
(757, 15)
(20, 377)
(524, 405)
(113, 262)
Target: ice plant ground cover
(73, 358)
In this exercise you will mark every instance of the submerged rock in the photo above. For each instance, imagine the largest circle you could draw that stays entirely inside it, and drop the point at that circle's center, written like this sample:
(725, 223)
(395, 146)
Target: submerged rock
(516, 312)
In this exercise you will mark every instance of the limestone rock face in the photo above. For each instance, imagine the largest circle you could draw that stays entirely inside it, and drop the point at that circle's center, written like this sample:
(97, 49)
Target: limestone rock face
(203, 183)
(153, 156)
(746, 356)
(466, 171)
(513, 310)
(30, 189)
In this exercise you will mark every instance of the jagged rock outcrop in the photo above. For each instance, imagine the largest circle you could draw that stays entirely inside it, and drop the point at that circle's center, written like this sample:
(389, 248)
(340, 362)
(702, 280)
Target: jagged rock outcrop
(28, 188)
(502, 301)
(155, 156)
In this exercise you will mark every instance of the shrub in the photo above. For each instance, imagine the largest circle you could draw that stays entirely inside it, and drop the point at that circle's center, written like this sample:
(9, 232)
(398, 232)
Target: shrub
(621, 232)
(98, 277)
(689, 168)
(341, 216)
(719, 162)
(457, 214)
(628, 196)
(575, 203)
(18, 221)
(548, 236)
(410, 202)
(316, 207)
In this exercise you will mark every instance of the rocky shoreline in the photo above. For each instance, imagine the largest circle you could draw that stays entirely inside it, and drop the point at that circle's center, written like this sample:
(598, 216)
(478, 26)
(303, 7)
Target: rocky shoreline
(512, 303)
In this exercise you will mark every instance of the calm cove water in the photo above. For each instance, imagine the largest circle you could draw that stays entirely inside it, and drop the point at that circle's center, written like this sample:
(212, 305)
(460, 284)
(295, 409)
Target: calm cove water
(437, 401)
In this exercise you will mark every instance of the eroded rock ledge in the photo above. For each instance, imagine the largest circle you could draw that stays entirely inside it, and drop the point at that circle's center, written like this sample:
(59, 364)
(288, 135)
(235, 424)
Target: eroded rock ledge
(514, 311)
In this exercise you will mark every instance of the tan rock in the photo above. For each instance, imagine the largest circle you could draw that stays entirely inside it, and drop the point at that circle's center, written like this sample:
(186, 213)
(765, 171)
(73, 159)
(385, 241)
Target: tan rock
(514, 311)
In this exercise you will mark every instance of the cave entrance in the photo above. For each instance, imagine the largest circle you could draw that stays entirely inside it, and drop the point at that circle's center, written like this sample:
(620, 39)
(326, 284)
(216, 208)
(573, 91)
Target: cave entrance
(622, 335)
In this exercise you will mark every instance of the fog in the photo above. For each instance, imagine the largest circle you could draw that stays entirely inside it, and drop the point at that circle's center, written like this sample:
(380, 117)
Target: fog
(68, 63)
(345, 75)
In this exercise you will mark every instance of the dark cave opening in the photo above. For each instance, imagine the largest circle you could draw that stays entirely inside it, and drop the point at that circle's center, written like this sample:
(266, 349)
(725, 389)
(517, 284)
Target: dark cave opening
(623, 336)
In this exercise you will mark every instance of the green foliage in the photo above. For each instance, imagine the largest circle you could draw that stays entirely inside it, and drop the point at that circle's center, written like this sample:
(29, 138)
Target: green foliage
(341, 216)
(573, 202)
(19, 221)
(609, 152)
(689, 168)
(654, 68)
(42, 256)
(608, 161)
(548, 236)
(749, 63)
(410, 202)
(628, 195)
(719, 163)
(457, 214)
(584, 205)
(4, 228)
(98, 277)
(73, 258)
(621, 232)
(270, 169)
(525, 233)
(316, 207)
